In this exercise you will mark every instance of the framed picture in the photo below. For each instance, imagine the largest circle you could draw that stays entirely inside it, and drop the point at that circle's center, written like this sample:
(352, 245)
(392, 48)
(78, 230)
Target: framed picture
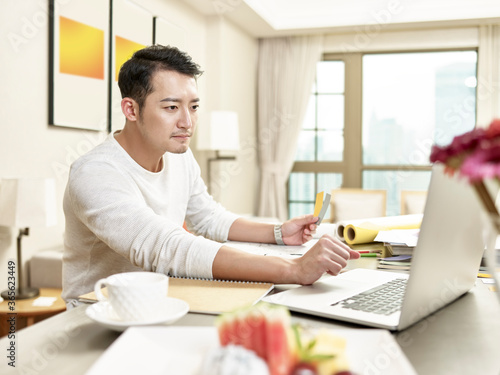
(168, 34)
(132, 30)
(78, 63)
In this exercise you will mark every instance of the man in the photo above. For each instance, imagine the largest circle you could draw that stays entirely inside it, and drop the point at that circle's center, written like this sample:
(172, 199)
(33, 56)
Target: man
(126, 200)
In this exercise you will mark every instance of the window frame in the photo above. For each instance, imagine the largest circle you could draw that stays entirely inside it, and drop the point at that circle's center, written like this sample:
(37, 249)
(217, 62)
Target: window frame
(351, 167)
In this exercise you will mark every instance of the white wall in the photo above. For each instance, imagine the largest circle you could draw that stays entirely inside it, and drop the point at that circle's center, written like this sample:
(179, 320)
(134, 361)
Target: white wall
(29, 147)
(233, 56)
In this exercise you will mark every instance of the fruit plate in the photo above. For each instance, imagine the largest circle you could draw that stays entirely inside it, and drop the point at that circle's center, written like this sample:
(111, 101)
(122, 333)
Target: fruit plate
(181, 350)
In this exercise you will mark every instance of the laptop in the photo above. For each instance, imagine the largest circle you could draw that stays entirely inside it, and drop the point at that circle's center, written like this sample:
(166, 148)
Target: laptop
(444, 266)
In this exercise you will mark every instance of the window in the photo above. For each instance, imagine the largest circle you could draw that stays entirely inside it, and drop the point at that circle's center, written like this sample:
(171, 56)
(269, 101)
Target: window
(322, 133)
(303, 188)
(321, 139)
(373, 127)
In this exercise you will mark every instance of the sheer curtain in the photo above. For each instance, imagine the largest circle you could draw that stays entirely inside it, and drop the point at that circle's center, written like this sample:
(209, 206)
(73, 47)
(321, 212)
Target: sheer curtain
(488, 85)
(287, 68)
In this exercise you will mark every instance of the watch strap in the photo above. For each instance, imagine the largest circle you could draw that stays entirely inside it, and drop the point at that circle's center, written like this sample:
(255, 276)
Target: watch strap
(278, 235)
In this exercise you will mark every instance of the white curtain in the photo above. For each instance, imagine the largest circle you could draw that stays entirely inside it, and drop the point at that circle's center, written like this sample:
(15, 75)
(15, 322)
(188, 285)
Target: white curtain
(488, 84)
(287, 68)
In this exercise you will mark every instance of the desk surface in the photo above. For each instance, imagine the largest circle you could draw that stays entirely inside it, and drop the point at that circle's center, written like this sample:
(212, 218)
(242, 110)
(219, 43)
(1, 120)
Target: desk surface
(462, 338)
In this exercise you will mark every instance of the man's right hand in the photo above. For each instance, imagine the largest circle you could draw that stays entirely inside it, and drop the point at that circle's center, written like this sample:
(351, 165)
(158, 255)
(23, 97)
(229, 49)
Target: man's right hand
(328, 255)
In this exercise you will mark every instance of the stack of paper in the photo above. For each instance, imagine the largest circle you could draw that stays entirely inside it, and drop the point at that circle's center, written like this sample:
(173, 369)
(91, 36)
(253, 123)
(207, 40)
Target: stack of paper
(399, 262)
(399, 241)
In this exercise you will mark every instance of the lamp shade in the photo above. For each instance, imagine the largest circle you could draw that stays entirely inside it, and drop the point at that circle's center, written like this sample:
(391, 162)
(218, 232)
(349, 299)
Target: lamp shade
(27, 202)
(220, 132)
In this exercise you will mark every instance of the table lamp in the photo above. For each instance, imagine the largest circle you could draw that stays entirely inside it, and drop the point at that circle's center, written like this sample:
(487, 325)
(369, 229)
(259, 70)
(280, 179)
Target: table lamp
(219, 133)
(24, 203)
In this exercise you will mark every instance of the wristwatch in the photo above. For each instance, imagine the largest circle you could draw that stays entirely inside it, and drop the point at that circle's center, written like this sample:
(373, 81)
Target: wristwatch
(278, 236)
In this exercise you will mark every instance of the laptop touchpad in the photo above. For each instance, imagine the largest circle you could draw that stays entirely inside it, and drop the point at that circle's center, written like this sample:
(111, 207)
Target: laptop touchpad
(331, 289)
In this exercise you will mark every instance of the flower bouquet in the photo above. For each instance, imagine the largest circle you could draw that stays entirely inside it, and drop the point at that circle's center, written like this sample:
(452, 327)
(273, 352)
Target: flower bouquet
(475, 155)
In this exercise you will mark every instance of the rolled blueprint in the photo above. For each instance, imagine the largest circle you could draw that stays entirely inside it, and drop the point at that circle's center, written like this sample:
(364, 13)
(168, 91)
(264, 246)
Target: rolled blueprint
(365, 230)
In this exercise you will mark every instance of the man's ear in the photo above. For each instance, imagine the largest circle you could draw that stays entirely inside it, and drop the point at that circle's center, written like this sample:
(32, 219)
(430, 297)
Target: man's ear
(130, 109)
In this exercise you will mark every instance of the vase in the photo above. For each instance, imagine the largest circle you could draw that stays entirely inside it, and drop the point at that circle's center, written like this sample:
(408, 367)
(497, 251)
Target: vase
(492, 251)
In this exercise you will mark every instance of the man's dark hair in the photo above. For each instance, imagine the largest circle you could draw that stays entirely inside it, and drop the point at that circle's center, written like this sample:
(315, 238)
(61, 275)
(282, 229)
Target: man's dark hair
(135, 74)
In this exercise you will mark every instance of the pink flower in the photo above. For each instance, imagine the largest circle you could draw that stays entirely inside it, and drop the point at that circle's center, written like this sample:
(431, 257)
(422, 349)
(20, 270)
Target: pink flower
(476, 154)
(459, 150)
(493, 130)
(484, 163)
(461, 143)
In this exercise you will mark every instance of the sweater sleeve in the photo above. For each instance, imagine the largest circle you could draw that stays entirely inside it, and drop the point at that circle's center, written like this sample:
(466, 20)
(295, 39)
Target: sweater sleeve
(204, 215)
(111, 206)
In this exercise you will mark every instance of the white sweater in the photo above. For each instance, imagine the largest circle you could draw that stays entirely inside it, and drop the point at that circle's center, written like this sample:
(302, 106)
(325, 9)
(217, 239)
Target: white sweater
(121, 217)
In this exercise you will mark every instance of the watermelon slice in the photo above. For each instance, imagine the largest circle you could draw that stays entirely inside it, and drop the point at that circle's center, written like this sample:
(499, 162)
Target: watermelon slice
(280, 357)
(256, 320)
(264, 329)
(225, 329)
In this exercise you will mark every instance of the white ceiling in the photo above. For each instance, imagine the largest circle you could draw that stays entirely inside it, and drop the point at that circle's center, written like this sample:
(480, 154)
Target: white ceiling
(279, 17)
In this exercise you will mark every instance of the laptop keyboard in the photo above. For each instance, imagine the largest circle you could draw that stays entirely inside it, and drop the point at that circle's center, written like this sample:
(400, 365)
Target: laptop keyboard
(384, 299)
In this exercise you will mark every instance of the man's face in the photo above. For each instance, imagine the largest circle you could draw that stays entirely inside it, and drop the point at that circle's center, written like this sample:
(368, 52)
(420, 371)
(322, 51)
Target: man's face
(169, 114)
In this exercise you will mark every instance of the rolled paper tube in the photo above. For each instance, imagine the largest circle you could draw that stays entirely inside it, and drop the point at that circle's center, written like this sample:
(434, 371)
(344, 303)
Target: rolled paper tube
(367, 231)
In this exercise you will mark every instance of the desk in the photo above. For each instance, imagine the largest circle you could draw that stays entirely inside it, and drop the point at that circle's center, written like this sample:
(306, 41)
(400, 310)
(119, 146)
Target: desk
(462, 338)
(27, 314)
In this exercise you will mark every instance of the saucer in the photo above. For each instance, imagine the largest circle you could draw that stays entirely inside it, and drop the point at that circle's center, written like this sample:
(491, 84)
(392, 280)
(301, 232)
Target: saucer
(103, 313)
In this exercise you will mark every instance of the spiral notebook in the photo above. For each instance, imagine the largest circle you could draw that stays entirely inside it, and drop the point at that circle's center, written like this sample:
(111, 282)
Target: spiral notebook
(209, 296)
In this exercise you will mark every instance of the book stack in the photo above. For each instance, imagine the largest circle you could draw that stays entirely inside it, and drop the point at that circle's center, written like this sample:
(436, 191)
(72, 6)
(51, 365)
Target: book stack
(399, 262)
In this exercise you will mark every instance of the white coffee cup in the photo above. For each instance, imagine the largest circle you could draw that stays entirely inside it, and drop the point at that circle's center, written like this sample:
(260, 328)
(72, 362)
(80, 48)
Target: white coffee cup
(135, 296)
